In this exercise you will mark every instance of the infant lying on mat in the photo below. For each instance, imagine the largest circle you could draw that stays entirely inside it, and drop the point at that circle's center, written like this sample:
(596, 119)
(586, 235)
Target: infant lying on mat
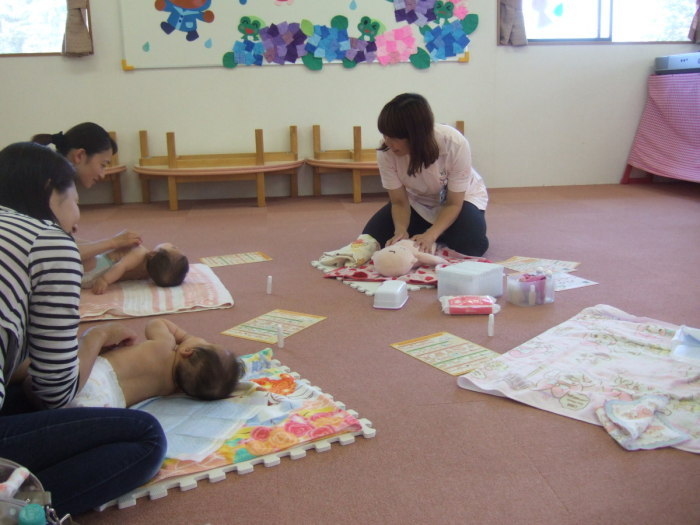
(165, 265)
(168, 362)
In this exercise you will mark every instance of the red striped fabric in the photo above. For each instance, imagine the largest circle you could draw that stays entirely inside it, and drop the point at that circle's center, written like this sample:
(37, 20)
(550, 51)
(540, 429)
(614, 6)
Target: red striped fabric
(667, 142)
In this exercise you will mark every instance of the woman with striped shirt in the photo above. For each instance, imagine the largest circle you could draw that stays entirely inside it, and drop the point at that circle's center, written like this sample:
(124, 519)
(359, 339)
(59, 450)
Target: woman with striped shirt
(84, 456)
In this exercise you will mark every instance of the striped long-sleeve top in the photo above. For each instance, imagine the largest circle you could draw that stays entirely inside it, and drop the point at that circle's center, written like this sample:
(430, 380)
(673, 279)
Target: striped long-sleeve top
(40, 273)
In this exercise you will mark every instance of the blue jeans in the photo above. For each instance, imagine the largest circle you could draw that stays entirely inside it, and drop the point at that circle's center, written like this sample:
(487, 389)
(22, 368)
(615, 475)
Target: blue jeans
(84, 456)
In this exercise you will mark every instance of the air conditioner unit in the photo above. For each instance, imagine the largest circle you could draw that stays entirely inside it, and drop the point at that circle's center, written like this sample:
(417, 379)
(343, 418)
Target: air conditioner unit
(684, 63)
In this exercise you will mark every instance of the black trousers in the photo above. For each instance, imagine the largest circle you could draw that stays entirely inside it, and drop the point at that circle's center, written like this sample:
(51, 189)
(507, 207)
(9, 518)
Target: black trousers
(466, 235)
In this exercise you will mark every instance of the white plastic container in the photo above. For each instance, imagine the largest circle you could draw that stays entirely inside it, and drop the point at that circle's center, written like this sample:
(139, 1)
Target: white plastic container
(391, 295)
(470, 278)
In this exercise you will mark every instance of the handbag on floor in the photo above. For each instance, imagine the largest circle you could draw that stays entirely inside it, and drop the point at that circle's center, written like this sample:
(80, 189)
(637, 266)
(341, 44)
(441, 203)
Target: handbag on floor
(23, 500)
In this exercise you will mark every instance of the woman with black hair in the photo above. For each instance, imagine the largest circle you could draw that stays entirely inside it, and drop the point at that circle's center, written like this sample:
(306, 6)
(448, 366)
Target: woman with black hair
(87, 146)
(435, 194)
(84, 456)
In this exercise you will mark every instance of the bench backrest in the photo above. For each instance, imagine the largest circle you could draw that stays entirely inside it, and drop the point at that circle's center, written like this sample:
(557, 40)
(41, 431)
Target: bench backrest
(213, 160)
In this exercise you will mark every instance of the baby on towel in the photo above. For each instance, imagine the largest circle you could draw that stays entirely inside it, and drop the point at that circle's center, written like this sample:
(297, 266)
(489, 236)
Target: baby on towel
(165, 265)
(168, 362)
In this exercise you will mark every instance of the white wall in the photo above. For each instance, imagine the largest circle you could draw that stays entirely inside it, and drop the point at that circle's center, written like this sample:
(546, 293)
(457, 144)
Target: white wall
(541, 115)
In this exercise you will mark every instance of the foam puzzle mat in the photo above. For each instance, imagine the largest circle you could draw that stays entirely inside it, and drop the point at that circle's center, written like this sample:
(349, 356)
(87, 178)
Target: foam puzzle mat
(285, 416)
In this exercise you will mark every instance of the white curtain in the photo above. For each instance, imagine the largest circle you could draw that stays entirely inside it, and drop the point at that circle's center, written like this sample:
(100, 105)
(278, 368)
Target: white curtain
(77, 41)
(511, 24)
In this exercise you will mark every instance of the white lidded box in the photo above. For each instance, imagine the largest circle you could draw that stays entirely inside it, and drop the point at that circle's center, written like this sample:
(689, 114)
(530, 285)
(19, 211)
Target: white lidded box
(391, 294)
(470, 278)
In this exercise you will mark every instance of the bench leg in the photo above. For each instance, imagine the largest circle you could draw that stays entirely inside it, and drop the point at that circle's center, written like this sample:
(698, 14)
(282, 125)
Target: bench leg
(356, 186)
(317, 181)
(116, 188)
(260, 189)
(172, 193)
(145, 190)
(293, 184)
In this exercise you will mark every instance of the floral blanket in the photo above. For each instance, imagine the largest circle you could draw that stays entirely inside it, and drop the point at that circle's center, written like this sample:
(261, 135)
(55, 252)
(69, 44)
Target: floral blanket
(605, 367)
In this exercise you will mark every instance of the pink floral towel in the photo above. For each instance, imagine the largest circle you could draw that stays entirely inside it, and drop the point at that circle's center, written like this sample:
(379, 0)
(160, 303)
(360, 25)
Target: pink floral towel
(202, 290)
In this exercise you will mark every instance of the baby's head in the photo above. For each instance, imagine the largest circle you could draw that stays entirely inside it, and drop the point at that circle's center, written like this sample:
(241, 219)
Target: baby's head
(209, 372)
(167, 265)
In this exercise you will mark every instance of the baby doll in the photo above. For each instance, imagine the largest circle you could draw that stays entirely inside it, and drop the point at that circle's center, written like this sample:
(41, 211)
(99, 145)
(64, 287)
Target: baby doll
(400, 258)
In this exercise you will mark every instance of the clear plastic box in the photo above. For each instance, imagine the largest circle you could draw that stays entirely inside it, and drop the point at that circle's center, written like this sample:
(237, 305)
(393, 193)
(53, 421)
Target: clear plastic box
(470, 278)
(530, 289)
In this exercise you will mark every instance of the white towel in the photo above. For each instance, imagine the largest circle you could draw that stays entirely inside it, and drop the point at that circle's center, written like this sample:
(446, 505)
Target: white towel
(354, 254)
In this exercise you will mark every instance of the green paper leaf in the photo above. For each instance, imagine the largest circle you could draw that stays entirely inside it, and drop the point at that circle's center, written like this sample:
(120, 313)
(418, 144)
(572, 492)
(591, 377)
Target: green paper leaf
(470, 23)
(420, 59)
(312, 62)
(349, 64)
(307, 27)
(229, 60)
(339, 22)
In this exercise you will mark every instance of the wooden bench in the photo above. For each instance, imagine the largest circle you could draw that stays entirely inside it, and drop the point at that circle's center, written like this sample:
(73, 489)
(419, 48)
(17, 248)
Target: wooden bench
(113, 174)
(358, 161)
(177, 169)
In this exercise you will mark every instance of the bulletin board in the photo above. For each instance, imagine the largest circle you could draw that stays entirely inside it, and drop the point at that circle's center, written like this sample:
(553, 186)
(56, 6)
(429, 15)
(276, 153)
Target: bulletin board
(310, 33)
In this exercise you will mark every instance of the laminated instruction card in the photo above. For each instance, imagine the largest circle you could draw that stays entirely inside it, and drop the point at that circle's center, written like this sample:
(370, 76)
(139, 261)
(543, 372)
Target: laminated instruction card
(235, 258)
(447, 352)
(531, 264)
(265, 328)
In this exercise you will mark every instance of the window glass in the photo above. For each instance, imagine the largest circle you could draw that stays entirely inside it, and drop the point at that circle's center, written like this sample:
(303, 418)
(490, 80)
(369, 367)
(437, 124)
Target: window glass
(608, 20)
(32, 26)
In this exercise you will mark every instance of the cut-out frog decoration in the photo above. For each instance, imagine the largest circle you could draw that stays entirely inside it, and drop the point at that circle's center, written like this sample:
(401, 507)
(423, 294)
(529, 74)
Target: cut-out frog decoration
(443, 11)
(249, 28)
(368, 28)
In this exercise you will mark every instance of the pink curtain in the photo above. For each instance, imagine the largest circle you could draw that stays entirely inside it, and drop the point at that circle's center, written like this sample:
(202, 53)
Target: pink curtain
(77, 41)
(694, 33)
(511, 24)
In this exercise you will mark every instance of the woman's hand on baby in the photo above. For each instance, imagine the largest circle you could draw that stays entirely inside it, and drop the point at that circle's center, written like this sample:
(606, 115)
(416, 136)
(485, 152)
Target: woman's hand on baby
(100, 285)
(127, 238)
(400, 236)
(425, 242)
(112, 335)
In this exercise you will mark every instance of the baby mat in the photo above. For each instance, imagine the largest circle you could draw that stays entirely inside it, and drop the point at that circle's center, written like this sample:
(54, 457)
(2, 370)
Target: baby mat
(201, 290)
(285, 416)
(609, 368)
